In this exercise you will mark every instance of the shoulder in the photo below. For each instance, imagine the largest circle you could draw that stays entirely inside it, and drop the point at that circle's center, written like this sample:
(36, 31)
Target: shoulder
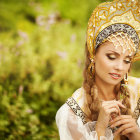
(134, 84)
(62, 115)
(133, 80)
(77, 96)
(65, 111)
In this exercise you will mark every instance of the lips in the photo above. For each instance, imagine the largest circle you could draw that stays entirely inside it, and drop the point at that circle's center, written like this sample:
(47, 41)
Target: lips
(115, 75)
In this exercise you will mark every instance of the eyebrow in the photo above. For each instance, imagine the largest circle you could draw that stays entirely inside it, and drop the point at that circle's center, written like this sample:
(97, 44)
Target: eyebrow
(119, 54)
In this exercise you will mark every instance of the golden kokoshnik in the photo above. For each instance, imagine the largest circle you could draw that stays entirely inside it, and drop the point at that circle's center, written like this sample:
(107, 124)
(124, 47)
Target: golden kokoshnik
(112, 19)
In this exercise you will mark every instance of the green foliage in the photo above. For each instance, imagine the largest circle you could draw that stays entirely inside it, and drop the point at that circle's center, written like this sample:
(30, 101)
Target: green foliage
(41, 63)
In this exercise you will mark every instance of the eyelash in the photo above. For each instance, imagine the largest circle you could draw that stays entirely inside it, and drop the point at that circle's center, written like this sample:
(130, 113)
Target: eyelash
(127, 62)
(111, 58)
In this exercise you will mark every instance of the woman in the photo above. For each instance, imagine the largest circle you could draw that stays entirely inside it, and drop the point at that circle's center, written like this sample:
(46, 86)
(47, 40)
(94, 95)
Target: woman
(107, 105)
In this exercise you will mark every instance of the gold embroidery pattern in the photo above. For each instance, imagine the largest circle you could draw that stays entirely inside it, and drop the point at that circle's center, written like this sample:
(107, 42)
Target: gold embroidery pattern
(76, 109)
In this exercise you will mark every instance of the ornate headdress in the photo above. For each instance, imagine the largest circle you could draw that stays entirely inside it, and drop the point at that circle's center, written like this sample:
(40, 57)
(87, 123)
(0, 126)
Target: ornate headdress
(119, 16)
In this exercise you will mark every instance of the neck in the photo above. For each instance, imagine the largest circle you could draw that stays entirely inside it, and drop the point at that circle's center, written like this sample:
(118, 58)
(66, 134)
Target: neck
(105, 90)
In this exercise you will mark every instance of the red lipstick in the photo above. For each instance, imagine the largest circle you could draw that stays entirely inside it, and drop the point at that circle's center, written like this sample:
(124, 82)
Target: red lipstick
(115, 75)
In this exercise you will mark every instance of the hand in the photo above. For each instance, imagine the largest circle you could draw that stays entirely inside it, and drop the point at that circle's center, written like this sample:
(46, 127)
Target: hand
(106, 109)
(128, 126)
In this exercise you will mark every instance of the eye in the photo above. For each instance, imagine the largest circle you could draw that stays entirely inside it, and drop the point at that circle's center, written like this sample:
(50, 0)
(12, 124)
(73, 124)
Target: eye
(111, 56)
(127, 60)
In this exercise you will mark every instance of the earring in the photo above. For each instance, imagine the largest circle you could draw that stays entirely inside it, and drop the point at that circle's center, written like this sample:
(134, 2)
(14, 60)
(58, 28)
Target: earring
(91, 67)
(126, 78)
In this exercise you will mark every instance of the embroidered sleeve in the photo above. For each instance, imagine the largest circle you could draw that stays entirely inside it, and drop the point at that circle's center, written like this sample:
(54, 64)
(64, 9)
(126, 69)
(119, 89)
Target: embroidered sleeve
(72, 128)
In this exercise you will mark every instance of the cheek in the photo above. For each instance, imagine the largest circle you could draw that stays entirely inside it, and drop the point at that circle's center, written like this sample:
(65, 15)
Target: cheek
(103, 65)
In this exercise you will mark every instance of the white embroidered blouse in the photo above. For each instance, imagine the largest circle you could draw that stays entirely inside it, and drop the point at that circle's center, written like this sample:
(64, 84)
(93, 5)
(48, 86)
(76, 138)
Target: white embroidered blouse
(70, 122)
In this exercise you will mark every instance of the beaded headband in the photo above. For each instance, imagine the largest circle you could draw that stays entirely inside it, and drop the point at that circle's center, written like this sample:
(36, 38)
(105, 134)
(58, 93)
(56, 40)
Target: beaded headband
(121, 39)
(111, 17)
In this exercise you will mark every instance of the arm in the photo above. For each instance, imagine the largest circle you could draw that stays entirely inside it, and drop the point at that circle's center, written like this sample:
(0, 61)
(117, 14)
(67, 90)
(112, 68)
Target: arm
(67, 124)
(72, 124)
(79, 131)
(71, 127)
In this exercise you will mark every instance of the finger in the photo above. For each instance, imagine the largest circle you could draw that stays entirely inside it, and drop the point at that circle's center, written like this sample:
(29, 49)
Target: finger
(121, 122)
(122, 128)
(115, 106)
(120, 104)
(129, 130)
(121, 117)
(112, 106)
(109, 106)
(111, 110)
(114, 102)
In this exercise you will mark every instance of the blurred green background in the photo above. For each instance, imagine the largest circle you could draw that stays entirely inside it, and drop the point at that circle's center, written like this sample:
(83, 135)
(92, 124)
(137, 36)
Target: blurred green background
(41, 63)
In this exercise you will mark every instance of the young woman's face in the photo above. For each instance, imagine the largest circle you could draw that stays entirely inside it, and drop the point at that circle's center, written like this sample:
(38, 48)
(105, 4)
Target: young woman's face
(111, 64)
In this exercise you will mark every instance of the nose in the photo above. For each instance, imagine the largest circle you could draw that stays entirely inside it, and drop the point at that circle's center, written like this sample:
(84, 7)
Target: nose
(119, 66)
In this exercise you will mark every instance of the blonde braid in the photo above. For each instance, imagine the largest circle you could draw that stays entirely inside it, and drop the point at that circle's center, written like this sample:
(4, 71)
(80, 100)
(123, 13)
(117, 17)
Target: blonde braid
(92, 103)
(125, 95)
